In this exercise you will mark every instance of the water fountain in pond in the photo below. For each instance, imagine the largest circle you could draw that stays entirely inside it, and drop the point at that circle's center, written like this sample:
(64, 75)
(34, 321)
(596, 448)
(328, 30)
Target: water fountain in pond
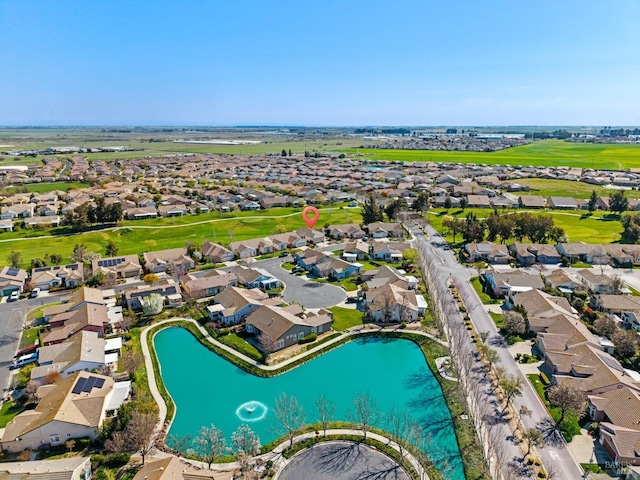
(252, 411)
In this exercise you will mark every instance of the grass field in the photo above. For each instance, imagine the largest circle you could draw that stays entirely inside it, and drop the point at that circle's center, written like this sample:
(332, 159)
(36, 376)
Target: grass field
(158, 234)
(344, 318)
(594, 229)
(567, 188)
(540, 153)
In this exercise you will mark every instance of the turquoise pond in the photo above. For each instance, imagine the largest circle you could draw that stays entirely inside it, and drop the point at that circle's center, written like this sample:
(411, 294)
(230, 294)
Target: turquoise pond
(210, 390)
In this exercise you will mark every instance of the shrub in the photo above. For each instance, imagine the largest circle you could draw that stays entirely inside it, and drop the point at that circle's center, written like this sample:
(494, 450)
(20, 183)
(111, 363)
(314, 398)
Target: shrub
(542, 473)
(117, 460)
(403, 325)
(223, 331)
(309, 338)
(544, 379)
(97, 461)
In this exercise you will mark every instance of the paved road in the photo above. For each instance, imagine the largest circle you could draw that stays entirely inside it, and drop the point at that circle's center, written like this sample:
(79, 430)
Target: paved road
(341, 461)
(555, 455)
(12, 315)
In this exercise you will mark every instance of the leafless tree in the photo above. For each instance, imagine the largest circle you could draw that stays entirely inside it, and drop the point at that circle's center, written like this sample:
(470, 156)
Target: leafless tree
(131, 361)
(365, 412)
(180, 444)
(246, 444)
(210, 444)
(116, 443)
(400, 424)
(290, 415)
(266, 344)
(140, 433)
(325, 410)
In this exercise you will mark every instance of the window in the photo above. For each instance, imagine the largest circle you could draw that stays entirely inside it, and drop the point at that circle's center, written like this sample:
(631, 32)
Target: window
(54, 438)
(280, 343)
(300, 335)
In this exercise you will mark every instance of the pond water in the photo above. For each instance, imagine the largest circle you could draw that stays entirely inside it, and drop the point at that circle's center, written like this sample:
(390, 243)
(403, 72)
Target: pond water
(210, 390)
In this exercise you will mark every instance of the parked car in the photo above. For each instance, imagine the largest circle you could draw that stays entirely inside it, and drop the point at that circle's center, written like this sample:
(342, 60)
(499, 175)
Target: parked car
(352, 300)
(25, 360)
(283, 254)
(26, 351)
(14, 296)
(35, 292)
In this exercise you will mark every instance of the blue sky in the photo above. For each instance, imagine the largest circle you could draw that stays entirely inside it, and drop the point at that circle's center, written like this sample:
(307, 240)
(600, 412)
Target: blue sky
(329, 62)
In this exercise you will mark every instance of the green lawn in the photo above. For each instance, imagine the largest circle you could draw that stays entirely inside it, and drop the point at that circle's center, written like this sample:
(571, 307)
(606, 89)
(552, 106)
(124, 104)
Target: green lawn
(567, 188)
(497, 319)
(539, 153)
(138, 237)
(29, 336)
(477, 286)
(8, 411)
(597, 228)
(343, 318)
(569, 426)
(241, 345)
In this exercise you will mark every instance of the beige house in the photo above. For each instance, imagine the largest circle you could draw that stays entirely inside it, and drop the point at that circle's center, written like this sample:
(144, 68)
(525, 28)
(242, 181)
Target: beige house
(73, 408)
(216, 253)
(211, 284)
(72, 468)
(172, 260)
(173, 468)
(64, 276)
(390, 303)
(115, 268)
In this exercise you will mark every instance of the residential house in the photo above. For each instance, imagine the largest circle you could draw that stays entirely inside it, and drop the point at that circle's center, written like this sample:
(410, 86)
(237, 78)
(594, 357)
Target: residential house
(211, 284)
(390, 303)
(616, 304)
(532, 201)
(174, 260)
(529, 253)
(562, 203)
(282, 241)
(355, 251)
(346, 231)
(42, 221)
(80, 297)
(172, 210)
(321, 265)
(12, 280)
(6, 225)
(234, 304)
(141, 213)
(82, 352)
(251, 247)
(623, 255)
(174, 468)
(86, 317)
(511, 282)
(311, 236)
(541, 307)
(216, 253)
(277, 328)
(386, 230)
(58, 276)
(564, 281)
(596, 283)
(488, 252)
(70, 468)
(563, 332)
(255, 278)
(389, 251)
(584, 252)
(249, 205)
(116, 268)
(622, 444)
(167, 288)
(479, 201)
(384, 275)
(20, 210)
(75, 407)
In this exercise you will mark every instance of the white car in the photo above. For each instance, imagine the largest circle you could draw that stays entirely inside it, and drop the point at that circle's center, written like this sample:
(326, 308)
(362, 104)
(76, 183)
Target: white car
(35, 292)
(14, 296)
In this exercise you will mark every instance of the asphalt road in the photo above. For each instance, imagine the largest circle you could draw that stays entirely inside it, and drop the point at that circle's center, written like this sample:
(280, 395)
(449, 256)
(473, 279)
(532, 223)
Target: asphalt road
(12, 315)
(555, 455)
(300, 290)
(341, 461)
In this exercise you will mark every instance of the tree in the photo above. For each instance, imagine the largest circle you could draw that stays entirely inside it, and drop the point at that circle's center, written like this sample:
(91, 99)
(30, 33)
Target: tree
(447, 203)
(626, 343)
(473, 230)
(463, 203)
(210, 444)
(454, 225)
(618, 202)
(400, 425)
(283, 153)
(511, 387)
(14, 259)
(616, 284)
(139, 434)
(631, 227)
(567, 398)
(605, 327)
(245, 441)
(514, 323)
(371, 211)
(79, 252)
(180, 444)
(111, 250)
(395, 207)
(131, 361)
(524, 411)
(150, 278)
(421, 203)
(365, 412)
(52, 377)
(70, 444)
(410, 255)
(152, 304)
(533, 438)
(593, 199)
(290, 415)
(326, 410)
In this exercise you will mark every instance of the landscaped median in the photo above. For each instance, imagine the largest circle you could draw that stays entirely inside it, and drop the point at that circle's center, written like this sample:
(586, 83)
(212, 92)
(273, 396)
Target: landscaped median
(469, 447)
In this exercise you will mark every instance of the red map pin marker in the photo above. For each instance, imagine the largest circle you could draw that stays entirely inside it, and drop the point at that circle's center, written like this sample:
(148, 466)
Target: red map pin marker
(310, 220)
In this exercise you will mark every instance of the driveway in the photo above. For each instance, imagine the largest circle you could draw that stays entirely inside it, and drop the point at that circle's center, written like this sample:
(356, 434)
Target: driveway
(341, 461)
(299, 289)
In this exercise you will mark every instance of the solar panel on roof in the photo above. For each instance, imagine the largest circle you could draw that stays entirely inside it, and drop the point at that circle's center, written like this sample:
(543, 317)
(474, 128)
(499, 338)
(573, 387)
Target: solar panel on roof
(91, 381)
(12, 271)
(99, 382)
(79, 385)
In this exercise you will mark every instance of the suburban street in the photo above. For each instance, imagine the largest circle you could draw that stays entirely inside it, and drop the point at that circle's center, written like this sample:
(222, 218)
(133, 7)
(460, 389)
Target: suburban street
(555, 456)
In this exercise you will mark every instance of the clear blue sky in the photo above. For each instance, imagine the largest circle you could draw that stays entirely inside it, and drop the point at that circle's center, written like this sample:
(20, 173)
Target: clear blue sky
(323, 62)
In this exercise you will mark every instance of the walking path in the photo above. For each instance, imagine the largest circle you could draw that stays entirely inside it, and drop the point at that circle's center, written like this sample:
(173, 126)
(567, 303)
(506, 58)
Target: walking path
(153, 387)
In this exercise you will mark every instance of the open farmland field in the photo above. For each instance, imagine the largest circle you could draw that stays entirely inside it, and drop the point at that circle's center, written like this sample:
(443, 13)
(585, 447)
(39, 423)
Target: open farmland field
(134, 237)
(566, 188)
(578, 227)
(540, 153)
